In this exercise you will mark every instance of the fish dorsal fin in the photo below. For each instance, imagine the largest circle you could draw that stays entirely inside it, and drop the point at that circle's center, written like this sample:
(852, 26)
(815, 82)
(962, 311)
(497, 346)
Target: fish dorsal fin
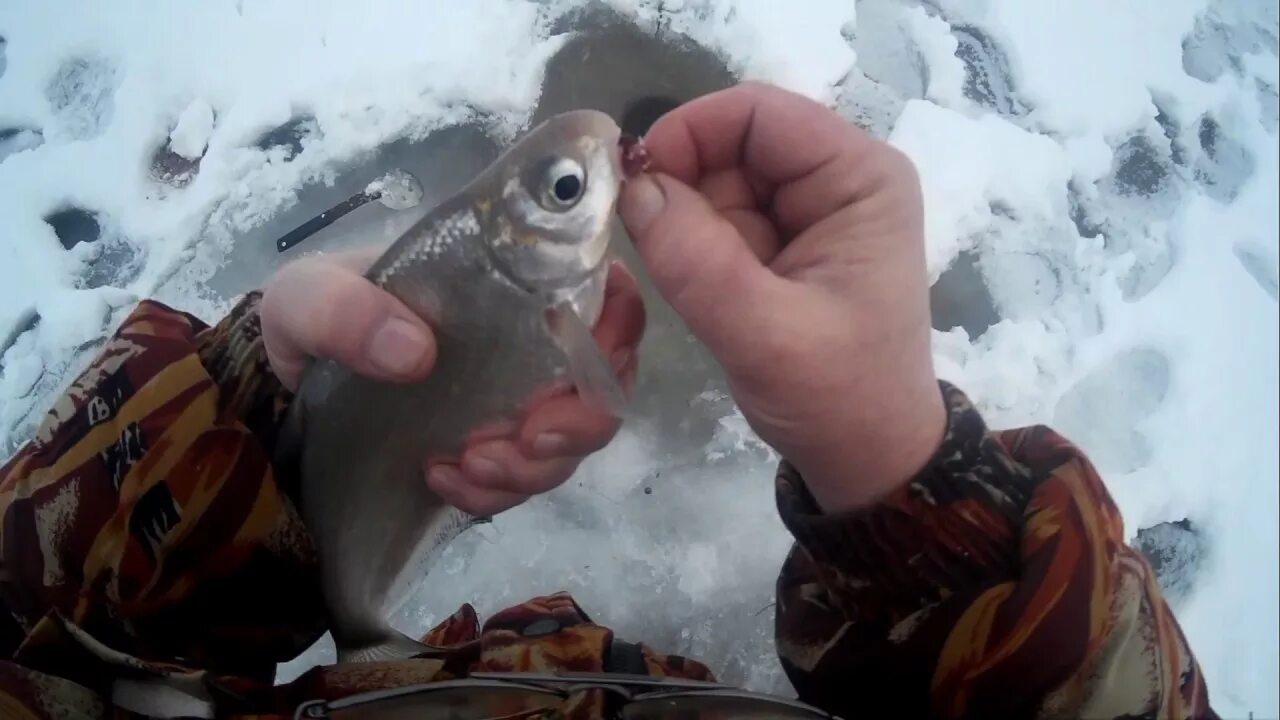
(395, 646)
(588, 368)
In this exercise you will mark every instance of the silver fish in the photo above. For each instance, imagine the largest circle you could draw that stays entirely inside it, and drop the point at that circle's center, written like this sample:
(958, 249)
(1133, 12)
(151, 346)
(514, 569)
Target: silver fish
(510, 275)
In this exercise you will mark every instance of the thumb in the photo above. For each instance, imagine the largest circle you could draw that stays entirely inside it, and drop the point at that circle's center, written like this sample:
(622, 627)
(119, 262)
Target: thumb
(698, 260)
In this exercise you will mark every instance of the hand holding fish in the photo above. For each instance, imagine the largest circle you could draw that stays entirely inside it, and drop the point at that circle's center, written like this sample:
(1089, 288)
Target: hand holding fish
(323, 306)
(792, 243)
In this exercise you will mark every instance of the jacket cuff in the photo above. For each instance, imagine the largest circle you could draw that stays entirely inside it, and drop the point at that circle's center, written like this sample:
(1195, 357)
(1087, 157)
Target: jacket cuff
(952, 527)
(233, 354)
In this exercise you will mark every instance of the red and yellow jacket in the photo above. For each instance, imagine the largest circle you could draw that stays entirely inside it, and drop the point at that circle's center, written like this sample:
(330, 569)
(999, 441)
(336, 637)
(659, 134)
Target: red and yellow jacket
(145, 536)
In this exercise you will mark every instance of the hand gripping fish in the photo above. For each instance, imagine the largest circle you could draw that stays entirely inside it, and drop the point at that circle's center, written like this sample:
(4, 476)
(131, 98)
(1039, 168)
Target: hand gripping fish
(510, 275)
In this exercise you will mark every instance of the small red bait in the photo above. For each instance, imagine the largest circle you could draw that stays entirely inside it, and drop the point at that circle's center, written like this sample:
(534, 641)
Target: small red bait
(635, 157)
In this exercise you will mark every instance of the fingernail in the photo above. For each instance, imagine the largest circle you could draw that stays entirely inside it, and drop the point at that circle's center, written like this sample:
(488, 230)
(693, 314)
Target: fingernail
(620, 358)
(397, 347)
(643, 201)
(482, 468)
(444, 475)
(550, 443)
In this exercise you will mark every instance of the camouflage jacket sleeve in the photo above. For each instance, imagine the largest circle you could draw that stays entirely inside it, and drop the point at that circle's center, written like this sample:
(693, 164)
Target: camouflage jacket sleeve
(996, 583)
(149, 477)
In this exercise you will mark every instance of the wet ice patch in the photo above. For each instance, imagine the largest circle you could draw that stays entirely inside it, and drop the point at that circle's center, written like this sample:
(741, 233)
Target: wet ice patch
(987, 77)
(289, 137)
(1223, 165)
(1176, 553)
(26, 321)
(81, 95)
(15, 140)
(113, 262)
(1260, 264)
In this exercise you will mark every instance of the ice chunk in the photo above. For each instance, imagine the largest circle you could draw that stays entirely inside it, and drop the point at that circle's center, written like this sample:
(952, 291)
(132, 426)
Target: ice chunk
(191, 135)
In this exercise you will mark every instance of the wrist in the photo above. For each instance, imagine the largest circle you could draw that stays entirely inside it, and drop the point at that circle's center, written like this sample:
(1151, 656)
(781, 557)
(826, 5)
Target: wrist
(878, 452)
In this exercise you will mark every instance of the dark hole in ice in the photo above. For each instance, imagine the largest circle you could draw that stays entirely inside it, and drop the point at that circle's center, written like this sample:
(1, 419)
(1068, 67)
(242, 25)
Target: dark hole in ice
(26, 322)
(960, 298)
(74, 226)
(1176, 552)
(614, 66)
(1140, 168)
(640, 115)
(289, 135)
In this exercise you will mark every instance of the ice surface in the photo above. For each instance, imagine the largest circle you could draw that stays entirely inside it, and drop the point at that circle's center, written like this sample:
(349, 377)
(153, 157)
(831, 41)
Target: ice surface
(1100, 182)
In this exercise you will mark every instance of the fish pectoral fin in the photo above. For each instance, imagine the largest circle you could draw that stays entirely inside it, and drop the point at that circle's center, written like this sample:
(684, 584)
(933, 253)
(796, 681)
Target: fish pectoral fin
(589, 370)
(395, 646)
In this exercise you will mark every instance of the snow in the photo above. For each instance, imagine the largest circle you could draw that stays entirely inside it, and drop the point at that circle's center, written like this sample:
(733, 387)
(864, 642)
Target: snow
(191, 135)
(1108, 171)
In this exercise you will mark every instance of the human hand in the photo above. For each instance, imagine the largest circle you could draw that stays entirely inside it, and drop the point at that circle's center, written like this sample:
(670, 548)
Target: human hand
(324, 307)
(792, 244)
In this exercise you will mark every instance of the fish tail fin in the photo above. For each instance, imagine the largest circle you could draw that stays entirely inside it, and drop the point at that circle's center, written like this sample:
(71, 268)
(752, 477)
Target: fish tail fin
(394, 646)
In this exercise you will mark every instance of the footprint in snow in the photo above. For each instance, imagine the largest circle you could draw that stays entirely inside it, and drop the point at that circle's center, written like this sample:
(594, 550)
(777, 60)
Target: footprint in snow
(82, 96)
(1101, 411)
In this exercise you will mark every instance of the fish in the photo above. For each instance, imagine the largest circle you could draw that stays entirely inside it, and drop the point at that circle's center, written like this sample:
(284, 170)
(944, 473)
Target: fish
(510, 275)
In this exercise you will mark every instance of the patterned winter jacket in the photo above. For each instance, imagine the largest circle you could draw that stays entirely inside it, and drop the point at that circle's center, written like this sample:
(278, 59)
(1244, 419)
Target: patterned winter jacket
(146, 538)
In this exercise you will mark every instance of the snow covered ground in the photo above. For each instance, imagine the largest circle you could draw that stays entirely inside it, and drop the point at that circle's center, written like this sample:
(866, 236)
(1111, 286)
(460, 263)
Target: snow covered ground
(1101, 186)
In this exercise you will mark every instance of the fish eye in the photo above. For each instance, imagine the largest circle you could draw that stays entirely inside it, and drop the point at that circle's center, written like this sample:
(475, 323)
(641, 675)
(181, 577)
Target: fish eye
(563, 184)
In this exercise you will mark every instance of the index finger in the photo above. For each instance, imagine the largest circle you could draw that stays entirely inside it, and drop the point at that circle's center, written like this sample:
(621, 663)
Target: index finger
(803, 159)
